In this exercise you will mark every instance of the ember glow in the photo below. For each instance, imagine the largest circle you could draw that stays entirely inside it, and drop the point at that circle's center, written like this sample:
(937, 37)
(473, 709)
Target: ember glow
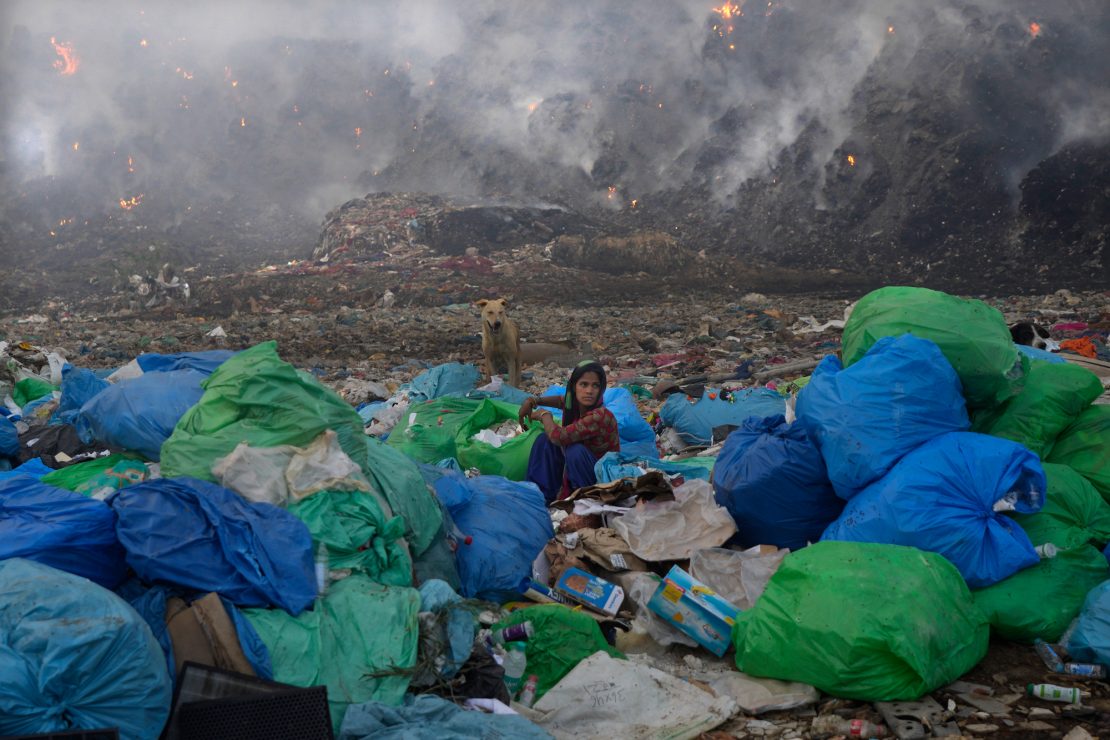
(242, 122)
(130, 165)
(851, 160)
(76, 145)
(143, 43)
(69, 61)
(128, 203)
(1034, 29)
(729, 10)
(612, 192)
(184, 74)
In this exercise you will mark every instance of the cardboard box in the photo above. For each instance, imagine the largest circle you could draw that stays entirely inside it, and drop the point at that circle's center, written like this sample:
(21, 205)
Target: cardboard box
(695, 609)
(589, 590)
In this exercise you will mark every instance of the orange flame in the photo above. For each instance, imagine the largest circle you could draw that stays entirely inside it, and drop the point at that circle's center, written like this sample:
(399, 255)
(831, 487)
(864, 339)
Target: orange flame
(1034, 29)
(890, 29)
(729, 10)
(69, 61)
(634, 203)
(358, 131)
(76, 145)
(128, 203)
(612, 191)
(130, 164)
(184, 74)
(143, 43)
(851, 160)
(242, 122)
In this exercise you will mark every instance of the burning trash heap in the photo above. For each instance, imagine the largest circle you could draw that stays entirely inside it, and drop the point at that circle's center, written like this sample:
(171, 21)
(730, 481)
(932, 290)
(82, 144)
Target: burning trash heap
(204, 541)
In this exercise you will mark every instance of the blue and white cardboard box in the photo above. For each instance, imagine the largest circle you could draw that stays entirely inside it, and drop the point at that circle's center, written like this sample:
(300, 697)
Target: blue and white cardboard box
(695, 609)
(594, 592)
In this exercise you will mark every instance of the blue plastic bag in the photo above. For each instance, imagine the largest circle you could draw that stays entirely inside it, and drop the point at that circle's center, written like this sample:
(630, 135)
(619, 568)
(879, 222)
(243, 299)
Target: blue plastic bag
(197, 535)
(901, 394)
(508, 525)
(429, 717)
(9, 438)
(637, 436)
(61, 529)
(448, 379)
(203, 362)
(139, 414)
(1089, 640)
(75, 656)
(79, 386)
(771, 478)
(1039, 354)
(33, 468)
(941, 498)
(616, 465)
(695, 422)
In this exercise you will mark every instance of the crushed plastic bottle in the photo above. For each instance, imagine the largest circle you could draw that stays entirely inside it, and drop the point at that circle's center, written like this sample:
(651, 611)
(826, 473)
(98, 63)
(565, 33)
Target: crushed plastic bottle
(322, 563)
(514, 664)
(1047, 551)
(1086, 670)
(835, 725)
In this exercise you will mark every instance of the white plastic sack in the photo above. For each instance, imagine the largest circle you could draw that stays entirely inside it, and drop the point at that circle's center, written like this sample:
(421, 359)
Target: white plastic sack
(739, 577)
(281, 474)
(607, 698)
(640, 587)
(758, 695)
(126, 372)
(674, 530)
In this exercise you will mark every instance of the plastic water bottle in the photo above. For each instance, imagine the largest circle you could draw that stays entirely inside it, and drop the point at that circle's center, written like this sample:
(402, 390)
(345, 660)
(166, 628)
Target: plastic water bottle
(514, 665)
(1048, 655)
(528, 693)
(514, 633)
(1051, 692)
(321, 569)
(1086, 670)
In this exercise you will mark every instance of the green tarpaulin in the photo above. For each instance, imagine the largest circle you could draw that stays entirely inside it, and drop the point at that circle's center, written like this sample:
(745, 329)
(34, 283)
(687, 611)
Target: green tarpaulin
(98, 476)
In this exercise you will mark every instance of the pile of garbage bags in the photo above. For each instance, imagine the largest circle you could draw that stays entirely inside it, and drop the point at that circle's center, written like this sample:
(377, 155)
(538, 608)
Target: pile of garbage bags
(859, 533)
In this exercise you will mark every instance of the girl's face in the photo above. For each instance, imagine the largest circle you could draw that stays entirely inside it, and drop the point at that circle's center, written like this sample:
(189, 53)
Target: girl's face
(587, 390)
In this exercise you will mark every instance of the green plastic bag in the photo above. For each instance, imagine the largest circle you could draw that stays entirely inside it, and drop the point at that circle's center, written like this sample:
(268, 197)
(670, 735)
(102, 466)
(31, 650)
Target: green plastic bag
(1055, 394)
(99, 476)
(1041, 601)
(563, 638)
(1085, 447)
(427, 432)
(357, 534)
(30, 389)
(972, 335)
(863, 621)
(255, 397)
(510, 460)
(1073, 513)
(359, 640)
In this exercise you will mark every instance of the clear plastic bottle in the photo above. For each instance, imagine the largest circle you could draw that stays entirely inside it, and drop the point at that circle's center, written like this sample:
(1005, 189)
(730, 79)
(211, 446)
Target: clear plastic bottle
(528, 693)
(514, 664)
(1048, 655)
(1051, 692)
(832, 724)
(1086, 670)
(1047, 551)
(322, 563)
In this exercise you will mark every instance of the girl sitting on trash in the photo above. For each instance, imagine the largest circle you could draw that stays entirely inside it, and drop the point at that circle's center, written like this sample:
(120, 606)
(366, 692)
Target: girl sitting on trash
(563, 457)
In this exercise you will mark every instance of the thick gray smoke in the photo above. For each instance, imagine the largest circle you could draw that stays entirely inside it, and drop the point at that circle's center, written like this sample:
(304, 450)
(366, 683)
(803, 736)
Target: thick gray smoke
(591, 103)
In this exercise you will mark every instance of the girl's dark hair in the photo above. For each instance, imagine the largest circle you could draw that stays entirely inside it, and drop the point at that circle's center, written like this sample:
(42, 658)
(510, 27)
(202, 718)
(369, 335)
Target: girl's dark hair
(571, 410)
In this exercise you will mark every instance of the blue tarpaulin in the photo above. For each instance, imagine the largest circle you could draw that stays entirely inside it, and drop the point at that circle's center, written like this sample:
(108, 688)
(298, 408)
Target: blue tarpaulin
(695, 422)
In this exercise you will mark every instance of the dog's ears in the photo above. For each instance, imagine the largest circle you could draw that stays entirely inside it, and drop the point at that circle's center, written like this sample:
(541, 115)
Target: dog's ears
(504, 301)
(481, 303)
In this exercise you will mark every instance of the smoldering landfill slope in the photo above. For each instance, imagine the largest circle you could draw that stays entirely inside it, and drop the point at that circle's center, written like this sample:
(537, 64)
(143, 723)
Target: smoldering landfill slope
(957, 143)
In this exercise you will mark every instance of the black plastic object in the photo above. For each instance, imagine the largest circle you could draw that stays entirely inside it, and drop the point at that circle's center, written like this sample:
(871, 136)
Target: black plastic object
(213, 703)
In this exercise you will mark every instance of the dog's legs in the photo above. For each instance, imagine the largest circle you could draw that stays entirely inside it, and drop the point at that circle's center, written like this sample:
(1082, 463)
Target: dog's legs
(514, 372)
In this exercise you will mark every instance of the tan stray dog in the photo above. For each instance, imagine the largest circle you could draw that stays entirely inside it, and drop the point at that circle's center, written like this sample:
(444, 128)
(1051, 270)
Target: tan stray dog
(500, 339)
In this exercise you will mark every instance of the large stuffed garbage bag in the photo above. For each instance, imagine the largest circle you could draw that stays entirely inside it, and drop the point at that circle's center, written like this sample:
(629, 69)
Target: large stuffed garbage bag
(1085, 447)
(866, 417)
(426, 432)
(510, 460)
(1041, 601)
(61, 529)
(255, 397)
(1089, 641)
(79, 386)
(508, 526)
(972, 335)
(195, 534)
(1073, 513)
(863, 621)
(562, 638)
(695, 422)
(357, 534)
(429, 717)
(941, 497)
(1053, 397)
(771, 478)
(637, 436)
(74, 656)
(204, 362)
(139, 414)
(360, 641)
